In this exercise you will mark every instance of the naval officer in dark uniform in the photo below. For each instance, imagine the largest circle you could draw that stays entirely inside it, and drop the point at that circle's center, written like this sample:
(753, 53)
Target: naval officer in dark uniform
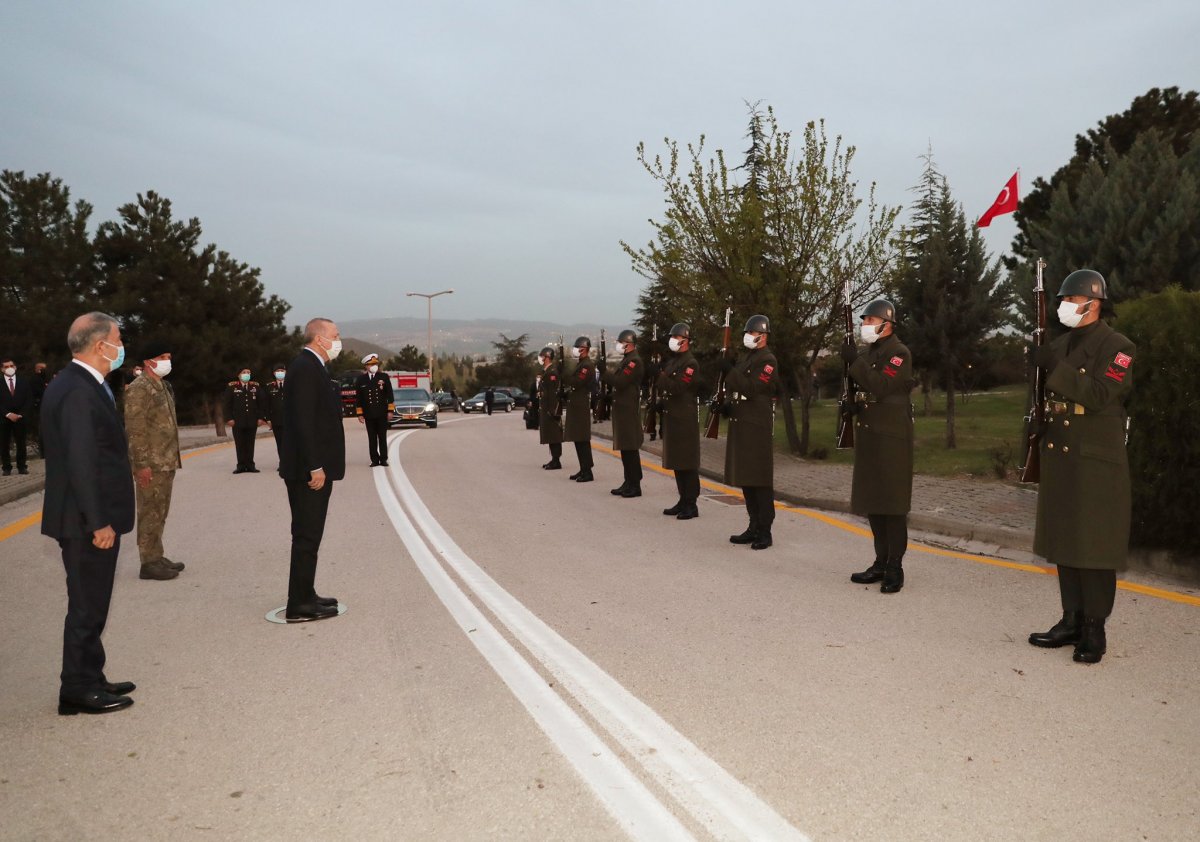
(626, 380)
(375, 401)
(1084, 496)
(883, 442)
(679, 383)
(550, 428)
(578, 426)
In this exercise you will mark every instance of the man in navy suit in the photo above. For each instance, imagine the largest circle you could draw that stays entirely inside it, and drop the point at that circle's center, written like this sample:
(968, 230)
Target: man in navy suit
(312, 457)
(89, 504)
(16, 404)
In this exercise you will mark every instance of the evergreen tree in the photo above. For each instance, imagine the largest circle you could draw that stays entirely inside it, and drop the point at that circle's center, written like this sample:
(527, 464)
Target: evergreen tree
(409, 358)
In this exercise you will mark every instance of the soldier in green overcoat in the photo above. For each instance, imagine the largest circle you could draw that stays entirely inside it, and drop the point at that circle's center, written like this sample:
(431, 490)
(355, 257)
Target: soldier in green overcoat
(550, 430)
(679, 382)
(1084, 503)
(751, 385)
(626, 380)
(883, 441)
(578, 428)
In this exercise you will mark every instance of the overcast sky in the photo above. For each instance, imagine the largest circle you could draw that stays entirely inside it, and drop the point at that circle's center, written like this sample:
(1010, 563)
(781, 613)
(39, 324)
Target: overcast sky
(359, 150)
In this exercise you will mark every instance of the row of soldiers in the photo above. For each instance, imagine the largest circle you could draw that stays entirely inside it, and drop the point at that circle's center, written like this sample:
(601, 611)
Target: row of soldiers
(1084, 471)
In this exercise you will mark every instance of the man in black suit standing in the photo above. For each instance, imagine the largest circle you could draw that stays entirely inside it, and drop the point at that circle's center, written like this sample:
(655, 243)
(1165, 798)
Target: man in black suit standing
(313, 457)
(16, 403)
(89, 504)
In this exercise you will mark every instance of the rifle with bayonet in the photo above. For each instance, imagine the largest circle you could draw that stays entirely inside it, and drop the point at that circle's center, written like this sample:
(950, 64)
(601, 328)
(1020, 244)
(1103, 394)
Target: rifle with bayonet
(1035, 421)
(651, 426)
(604, 405)
(848, 403)
(716, 406)
(560, 364)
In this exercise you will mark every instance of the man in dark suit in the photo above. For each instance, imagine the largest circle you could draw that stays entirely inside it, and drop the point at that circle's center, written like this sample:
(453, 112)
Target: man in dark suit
(16, 403)
(89, 504)
(313, 457)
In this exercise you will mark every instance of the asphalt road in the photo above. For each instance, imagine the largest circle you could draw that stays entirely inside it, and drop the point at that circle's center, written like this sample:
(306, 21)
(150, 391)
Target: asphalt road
(523, 657)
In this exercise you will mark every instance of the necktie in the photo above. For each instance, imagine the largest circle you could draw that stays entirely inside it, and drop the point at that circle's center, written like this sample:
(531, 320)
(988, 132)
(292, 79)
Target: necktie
(12, 385)
(108, 392)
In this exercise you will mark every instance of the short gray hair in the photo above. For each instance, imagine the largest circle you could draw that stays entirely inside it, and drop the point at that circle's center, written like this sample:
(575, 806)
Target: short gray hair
(310, 329)
(87, 329)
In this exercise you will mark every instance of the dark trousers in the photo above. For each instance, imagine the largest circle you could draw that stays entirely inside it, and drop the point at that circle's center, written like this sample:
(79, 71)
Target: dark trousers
(555, 451)
(760, 505)
(688, 483)
(632, 466)
(583, 449)
(90, 574)
(309, 509)
(891, 536)
(12, 431)
(377, 429)
(277, 429)
(243, 442)
(1090, 592)
(489, 408)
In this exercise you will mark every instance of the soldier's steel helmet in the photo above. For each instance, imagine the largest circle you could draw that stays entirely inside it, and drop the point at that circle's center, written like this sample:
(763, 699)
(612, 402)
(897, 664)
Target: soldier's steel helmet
(681, 329)
(880, 308)
(583, 342)
(758, 324)
(547, 352)
(1087, 282)
(627, 335)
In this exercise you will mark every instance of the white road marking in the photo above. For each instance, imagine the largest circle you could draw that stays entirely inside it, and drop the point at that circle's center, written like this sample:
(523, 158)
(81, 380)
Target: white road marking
(722, 804)
(639, 813)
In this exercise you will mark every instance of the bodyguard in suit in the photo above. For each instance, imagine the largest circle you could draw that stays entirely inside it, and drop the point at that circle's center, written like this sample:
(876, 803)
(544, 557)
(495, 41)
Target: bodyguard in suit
(88, 505)
(314, 456)
(16, 404)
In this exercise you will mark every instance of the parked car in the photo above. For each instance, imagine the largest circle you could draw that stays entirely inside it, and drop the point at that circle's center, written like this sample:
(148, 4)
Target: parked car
(520, 396)
(413, 406)
(502, 403)
(444, 400)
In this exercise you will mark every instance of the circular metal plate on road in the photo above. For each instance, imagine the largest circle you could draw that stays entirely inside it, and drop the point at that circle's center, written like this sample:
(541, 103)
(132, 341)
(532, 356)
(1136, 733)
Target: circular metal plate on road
(276, 616)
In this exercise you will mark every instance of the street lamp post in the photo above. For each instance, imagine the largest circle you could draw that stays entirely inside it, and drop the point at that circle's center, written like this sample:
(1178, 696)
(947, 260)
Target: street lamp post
(429, 296)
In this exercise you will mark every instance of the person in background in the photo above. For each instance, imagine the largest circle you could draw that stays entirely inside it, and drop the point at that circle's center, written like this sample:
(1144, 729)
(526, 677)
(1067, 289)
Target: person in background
(244, 414)
(274, 406)
(375, 401)
(16, 404)
(550, 428)
(679, 383)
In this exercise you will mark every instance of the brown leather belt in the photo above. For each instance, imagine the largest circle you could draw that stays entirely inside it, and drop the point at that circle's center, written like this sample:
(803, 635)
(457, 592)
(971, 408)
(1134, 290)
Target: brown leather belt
(1064, 408)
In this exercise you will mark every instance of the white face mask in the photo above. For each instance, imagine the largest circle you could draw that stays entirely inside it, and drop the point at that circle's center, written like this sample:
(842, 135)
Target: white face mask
(870, 333)
(162, 367)
(335, 349)
(372, 369)
(750, 341)
(1068, 315)
(10, 372)
(575, 352)
(279, 375)
(674, 344)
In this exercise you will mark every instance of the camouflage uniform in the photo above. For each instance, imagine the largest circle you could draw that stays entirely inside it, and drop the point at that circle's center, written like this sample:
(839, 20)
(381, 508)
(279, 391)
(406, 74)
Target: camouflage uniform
(153, 435)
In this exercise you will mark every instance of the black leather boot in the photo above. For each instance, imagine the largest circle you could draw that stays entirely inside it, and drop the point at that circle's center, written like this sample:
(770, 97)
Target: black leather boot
(871, 575)
(1092, 645)
(893, 577)
(619, 490)
(762, 540)
(585, 476)
(553, 465)
(746, 537)
(688, 512)
(1062, 633)
(674, 510)
(634, 489)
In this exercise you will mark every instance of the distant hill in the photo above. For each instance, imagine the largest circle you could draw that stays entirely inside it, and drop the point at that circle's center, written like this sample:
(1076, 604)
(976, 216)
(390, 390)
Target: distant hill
(458, 336)
(361, 347)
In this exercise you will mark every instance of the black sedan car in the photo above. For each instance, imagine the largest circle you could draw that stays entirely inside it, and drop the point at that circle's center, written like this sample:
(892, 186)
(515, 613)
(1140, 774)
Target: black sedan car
(413, 406)
(502, 403)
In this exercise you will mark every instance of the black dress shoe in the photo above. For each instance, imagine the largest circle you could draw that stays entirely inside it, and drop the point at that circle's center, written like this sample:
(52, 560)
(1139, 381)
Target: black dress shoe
(374, 464)
(1092, 645)
(619, 490)
(762, 541)
(22, 470)
(310, 611)
(253, 471)
(688, 513)
(586, 476)
(326, 600)
(8, 472)
(871, 575)
(97, 701)
(575, 475)
(893, 577)
(383, 464)
(119, 688)
(553, 465)
(677, 509)
(632, 491)
(239, 470)
(746, 537)
(1063, 633)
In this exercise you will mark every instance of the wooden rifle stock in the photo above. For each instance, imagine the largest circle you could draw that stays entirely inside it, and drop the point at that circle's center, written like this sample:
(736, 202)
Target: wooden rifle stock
(1035, 421)
(712, 427)
(848, 402)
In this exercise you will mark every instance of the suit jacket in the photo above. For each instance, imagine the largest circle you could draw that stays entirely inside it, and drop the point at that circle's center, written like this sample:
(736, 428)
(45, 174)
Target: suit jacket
(21, 401)
(312, 421)
(89, 482)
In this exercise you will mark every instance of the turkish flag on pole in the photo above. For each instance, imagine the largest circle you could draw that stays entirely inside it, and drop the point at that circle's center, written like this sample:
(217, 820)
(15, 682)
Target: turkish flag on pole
(1006, 202)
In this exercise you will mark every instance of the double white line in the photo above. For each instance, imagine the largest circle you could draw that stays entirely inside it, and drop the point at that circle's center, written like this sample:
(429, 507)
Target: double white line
(716, 800)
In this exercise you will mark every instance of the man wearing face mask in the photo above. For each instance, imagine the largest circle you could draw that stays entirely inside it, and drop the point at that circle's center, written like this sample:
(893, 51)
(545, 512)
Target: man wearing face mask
(626, 381)
(678, 382)
(550, 429)
(752, 384)
(1084, 493)
(578, 426)
(16, 403)
(244, 414)
(153, 434)
(375, 401)
(883, 442)
(274, 406)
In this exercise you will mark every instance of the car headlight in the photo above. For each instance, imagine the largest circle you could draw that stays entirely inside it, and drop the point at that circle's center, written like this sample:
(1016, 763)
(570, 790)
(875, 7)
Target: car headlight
(430, 407)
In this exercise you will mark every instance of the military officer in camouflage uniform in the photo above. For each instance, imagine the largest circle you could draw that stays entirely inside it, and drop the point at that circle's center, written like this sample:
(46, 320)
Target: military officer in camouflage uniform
(153, 435)
(883, 442)
(578, 426)
(626, 380)
(550, 428)
(274, 406)
(679, 382)
(752, 384)
(375, 402)
(1084, 493)
(244, 413)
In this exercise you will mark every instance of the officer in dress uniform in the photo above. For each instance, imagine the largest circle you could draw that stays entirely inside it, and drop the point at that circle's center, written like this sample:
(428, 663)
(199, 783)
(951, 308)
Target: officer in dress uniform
(375, 401)
(550, 428)
(245, 414)
(578, 426)
(752, 384)
(1084, 494)
(678, 382)
(274, 406)
(626, 380)
(883, 442)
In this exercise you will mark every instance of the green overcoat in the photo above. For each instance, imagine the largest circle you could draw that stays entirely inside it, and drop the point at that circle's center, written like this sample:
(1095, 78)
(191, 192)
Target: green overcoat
(550, 428)
(626, 381)
(1084, 496)
(679, 383)
(751, 386)
(883, 430)
(578, 383)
